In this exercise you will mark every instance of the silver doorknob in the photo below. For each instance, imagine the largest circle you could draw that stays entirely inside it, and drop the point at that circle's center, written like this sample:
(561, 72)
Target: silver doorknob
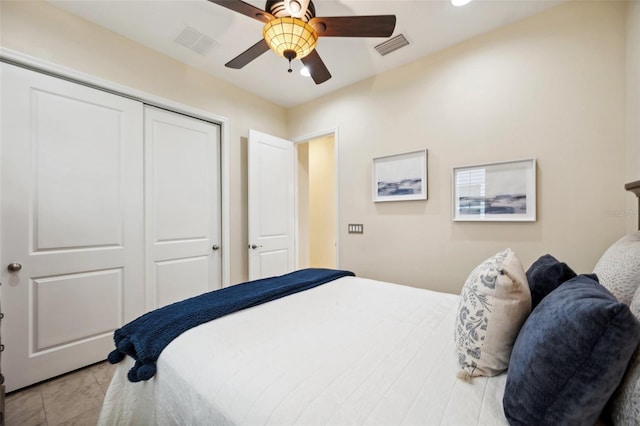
(14, 267)
(253, 246)
(215, 247)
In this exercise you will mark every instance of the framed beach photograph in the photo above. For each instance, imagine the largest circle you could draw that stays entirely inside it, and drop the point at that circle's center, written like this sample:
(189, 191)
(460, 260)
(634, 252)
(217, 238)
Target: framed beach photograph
(400, 177)
(503, 191)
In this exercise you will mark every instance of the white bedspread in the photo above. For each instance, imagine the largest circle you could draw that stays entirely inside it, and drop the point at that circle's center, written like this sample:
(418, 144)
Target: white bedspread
(353, 351)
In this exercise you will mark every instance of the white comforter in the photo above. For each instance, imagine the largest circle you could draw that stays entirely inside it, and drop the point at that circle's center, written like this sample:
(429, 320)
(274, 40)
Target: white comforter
(353, 351)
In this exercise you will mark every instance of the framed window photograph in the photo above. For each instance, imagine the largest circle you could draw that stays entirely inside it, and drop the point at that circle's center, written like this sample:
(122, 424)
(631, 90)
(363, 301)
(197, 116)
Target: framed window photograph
(503, 191)
(400, 177)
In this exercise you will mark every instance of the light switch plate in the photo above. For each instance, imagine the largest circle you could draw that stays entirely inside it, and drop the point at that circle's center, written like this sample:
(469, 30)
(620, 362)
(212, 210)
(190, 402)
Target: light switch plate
(356, 228)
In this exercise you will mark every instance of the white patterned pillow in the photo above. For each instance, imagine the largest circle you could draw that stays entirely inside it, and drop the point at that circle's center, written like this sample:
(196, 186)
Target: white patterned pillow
(625, 402)
(494, 303)
(619, 267)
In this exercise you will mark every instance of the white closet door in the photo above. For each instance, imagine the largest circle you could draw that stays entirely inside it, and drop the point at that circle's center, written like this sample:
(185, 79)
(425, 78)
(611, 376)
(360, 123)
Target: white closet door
(71, 218)
(182, 205)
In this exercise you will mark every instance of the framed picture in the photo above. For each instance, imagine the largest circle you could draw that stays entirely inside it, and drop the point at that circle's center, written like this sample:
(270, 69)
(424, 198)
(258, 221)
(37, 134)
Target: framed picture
(400, 177)
(495, 192)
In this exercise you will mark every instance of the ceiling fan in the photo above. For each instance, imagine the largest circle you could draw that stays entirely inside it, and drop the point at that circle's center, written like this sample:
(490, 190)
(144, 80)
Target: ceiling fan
(292, 30)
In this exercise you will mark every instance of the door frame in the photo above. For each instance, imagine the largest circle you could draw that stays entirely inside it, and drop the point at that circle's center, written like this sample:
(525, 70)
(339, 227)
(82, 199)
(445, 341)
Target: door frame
(46, 67)
(336, 157)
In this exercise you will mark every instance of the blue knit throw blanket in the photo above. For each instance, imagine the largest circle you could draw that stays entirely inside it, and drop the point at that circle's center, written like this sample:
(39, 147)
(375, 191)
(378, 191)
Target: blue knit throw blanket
(145, 337)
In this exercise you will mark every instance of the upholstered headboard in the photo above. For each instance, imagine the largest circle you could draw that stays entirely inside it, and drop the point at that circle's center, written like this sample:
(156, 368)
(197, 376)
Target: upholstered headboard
(635, 188)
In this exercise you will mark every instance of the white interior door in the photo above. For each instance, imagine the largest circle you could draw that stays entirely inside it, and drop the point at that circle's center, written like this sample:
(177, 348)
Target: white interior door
(71, 223)
(182, 206)
(271, 205)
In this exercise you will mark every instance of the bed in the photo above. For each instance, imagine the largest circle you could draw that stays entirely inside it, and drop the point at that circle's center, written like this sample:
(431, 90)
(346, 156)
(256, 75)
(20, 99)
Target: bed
(360, 351)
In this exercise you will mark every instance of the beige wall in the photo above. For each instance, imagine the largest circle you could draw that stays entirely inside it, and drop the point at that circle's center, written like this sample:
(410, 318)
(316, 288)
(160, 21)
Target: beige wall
(633, 109)
(46, 32)
(550, 87)
(322, 210)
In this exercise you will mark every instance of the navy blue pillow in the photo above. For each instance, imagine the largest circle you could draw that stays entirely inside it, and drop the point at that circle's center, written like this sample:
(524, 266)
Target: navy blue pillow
(570, 356)
(545, 275)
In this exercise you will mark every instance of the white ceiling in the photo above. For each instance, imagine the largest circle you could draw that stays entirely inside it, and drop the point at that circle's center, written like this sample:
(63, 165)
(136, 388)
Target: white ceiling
(429, 25)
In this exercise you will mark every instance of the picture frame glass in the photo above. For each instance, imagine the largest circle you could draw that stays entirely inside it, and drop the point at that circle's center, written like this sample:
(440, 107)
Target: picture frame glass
(400, 177)
(503, 191)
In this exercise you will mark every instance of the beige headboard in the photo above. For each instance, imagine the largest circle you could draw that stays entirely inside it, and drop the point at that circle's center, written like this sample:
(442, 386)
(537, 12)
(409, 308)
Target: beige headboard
(635, 188)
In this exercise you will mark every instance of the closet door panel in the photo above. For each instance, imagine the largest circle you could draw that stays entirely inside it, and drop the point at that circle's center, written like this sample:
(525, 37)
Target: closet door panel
(81, 316)
(72, 218)
(182, 278)
(77, 193)
(180, 179)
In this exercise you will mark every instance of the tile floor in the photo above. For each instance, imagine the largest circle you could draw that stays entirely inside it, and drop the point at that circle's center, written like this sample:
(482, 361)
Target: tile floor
(72, 399)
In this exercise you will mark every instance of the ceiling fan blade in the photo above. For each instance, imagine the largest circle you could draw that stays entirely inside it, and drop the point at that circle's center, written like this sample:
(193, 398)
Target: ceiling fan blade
(245, 9)
(248, 55)
(354, 26)
(317, 68)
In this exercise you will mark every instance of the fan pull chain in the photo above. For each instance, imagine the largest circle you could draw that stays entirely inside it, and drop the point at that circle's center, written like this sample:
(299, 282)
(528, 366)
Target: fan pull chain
(290, 55)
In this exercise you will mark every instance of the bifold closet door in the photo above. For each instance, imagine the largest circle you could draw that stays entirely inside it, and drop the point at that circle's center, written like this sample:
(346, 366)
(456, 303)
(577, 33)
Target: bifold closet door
(182, 207)
(71, 223)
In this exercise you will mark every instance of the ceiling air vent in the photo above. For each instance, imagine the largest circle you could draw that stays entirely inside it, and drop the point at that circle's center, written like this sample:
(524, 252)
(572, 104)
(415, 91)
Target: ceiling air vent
(194, 40)
(392, 45)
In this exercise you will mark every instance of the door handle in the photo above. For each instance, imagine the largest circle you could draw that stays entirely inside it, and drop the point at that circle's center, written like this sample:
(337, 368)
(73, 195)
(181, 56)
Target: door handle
(14, 267)
(215, 247)
(253, 246)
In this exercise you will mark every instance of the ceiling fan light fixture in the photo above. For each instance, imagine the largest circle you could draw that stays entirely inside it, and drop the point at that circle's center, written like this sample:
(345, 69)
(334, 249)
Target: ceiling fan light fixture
(289, 35)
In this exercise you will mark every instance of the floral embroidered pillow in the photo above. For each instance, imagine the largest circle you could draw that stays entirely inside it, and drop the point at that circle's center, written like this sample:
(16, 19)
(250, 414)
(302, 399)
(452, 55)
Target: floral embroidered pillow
(494, 303)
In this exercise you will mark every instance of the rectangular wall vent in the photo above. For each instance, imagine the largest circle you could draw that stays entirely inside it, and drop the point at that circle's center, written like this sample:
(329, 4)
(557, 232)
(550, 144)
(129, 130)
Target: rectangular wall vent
(194, 40)
(392, 44)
